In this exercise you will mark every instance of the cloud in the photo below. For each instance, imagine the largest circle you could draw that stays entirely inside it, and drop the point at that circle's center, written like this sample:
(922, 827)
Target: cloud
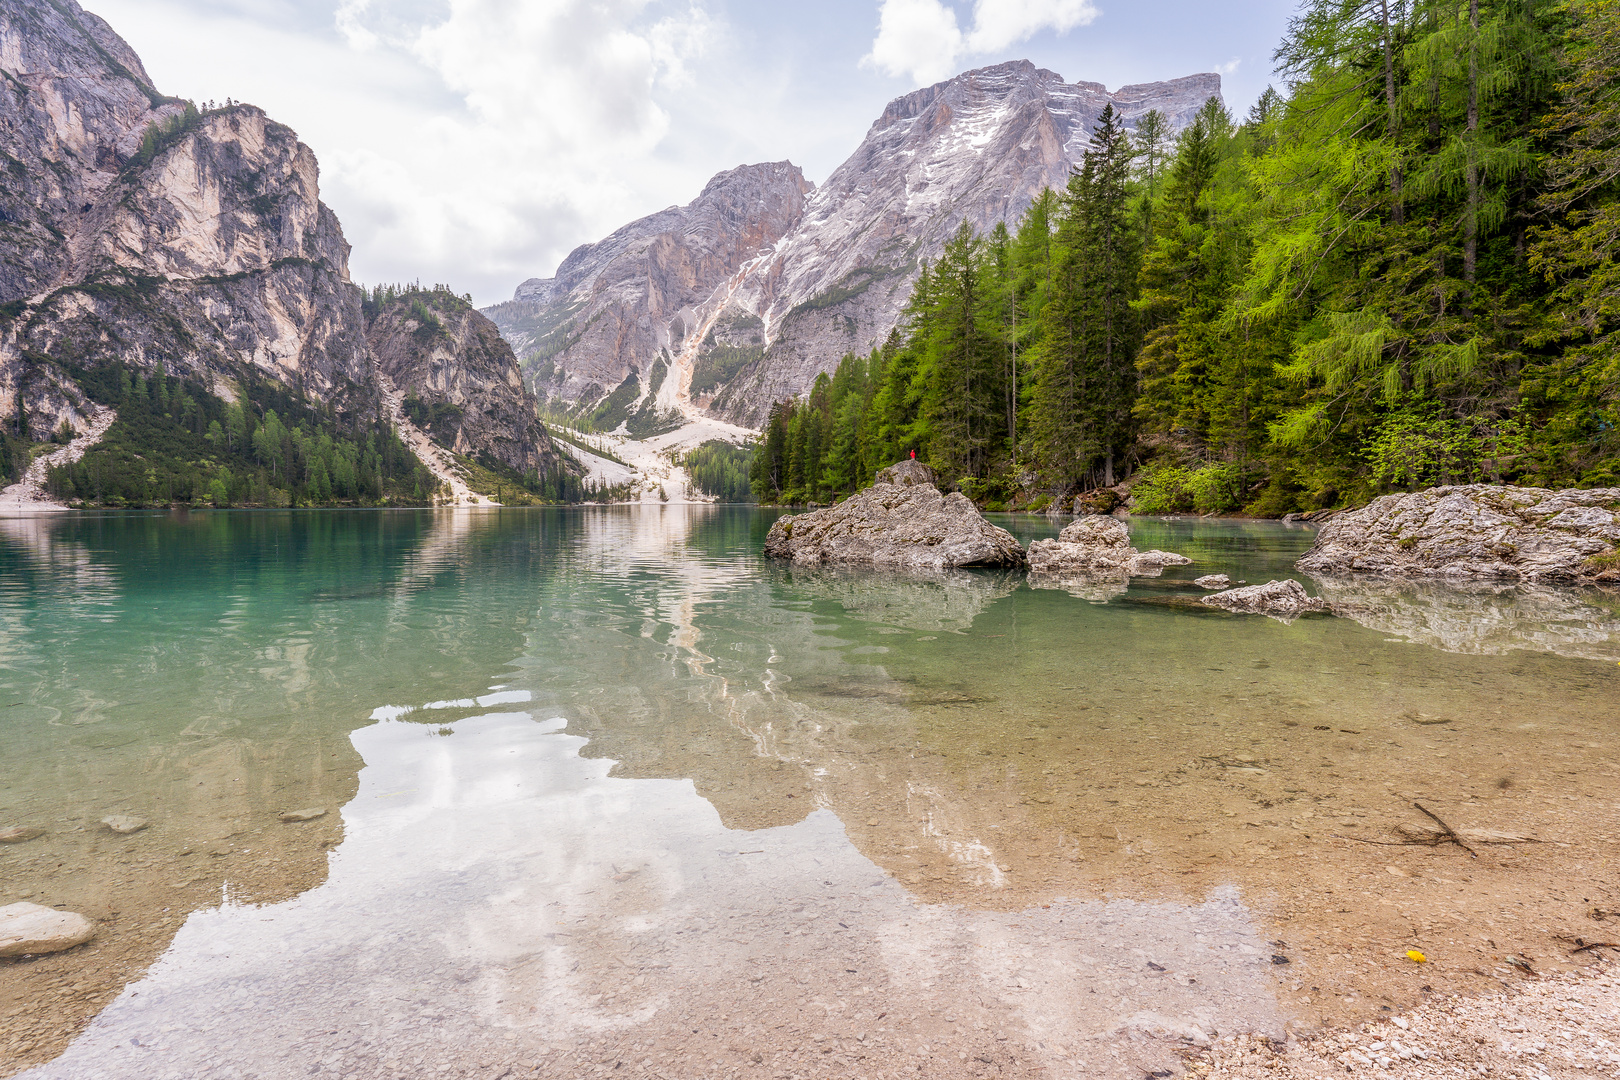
(1229, 67)
(552, 111)
(922, 39)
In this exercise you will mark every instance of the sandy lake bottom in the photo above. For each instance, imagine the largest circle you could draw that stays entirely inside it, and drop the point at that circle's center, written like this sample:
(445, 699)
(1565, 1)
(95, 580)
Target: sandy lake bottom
(607, 794)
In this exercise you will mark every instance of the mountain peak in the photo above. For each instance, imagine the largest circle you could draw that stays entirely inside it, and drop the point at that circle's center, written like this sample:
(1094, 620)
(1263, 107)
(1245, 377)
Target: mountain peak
(763, 281)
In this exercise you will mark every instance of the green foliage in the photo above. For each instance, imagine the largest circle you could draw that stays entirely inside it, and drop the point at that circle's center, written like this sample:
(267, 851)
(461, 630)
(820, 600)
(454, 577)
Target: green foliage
(1401, 272)
(162, 134)
(721, 470)
(440, 419)
(1422, 446)
(421, 298)
(720, 365)
(271, 449)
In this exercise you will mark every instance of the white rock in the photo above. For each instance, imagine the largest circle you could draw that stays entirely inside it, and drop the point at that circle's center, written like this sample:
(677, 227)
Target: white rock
(1281, 600)
(29, 929)
(124, 823)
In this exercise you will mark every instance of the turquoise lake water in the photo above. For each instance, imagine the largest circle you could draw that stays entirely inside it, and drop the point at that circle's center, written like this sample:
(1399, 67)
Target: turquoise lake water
(587, 772)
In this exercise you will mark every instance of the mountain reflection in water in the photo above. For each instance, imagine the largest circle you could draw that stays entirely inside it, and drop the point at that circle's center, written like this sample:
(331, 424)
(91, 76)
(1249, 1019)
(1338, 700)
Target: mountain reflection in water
(615, 789)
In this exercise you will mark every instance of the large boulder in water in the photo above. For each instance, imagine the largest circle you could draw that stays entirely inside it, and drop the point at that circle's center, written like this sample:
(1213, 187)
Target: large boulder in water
(31, 929)
(1098, 545)
(901, 521)
(1476, 531)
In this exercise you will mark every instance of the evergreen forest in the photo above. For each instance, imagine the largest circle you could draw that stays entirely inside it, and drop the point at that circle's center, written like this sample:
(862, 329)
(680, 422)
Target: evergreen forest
(1398, 272)
(174, 442)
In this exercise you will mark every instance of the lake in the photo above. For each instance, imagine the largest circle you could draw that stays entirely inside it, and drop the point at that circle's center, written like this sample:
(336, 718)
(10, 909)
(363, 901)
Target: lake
(606, 792)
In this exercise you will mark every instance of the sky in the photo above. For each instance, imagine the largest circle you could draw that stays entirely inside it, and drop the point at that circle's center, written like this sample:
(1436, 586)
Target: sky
(477, 142)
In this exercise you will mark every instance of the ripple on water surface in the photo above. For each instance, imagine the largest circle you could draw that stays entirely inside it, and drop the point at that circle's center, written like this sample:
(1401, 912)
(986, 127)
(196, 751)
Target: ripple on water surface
(607, 788)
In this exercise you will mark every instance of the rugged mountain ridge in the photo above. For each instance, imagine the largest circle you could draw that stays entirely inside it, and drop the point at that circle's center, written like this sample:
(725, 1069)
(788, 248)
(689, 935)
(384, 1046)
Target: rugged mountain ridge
(616, 307)
(460, 378)
(978, 147)
(135, 230)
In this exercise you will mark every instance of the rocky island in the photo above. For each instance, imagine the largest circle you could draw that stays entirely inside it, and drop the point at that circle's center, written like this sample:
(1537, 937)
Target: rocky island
(901, 521)
(1476, 531)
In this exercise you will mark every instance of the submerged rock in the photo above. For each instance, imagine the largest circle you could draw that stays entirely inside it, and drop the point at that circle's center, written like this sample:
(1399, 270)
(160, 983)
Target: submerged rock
(1478, 531)
(901, 521)
(30, 929)
(1098, 545)
(307, 814)
(1213, 581)
(124, 823)
(1283, 600)
(18, 834)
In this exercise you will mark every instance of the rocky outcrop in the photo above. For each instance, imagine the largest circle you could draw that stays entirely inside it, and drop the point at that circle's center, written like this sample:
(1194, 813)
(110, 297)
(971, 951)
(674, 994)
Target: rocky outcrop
(1476, 531)
(617, 307)
(1213, 581)
(31, 929)
(1098, 545)
(907, 473)
(460, 379)
(135, 230)
(905, 525)
(813, 275)
(1281, 600)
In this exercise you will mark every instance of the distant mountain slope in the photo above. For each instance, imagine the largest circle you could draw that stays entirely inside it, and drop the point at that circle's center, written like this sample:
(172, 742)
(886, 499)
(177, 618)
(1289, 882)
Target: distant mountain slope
(978, 147)
(615, 307)
(138, 232)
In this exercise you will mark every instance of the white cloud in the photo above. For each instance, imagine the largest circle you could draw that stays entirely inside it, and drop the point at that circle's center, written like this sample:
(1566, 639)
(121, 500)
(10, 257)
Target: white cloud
(919, 38)
(1229, 67)
(922, 39)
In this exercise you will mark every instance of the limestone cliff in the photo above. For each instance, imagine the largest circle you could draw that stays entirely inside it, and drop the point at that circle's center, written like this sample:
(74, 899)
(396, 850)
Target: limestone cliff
(978, 148)
(136, 230)
(460, 378)
(614, 308)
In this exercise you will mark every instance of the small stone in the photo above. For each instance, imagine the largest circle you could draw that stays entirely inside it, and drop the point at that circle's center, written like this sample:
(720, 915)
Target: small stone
(17, 834)
(1213, 581)
(874, 823)
(30, 929)
(124, 824)
(307, 814)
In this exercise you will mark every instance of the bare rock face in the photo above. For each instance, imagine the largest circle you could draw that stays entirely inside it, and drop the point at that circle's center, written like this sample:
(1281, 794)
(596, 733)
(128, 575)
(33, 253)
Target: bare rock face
(136, 232)
(912, 527)
(1476, 531)
(208, 248)
(1282, 600)
(1098, 545)
(30, 929)
(614, 308)
(454, 365)
(751, 304)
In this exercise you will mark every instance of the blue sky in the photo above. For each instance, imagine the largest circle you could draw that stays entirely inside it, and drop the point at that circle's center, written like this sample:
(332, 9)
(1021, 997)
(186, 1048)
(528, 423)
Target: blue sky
(476, 142)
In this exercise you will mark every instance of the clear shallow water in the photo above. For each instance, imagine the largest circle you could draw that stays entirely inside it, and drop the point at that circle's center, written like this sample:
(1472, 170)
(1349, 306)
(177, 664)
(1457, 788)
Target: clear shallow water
(604, 786)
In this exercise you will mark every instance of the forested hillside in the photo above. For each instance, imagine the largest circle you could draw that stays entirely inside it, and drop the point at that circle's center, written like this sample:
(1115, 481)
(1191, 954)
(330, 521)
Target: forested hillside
(1400, 272)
